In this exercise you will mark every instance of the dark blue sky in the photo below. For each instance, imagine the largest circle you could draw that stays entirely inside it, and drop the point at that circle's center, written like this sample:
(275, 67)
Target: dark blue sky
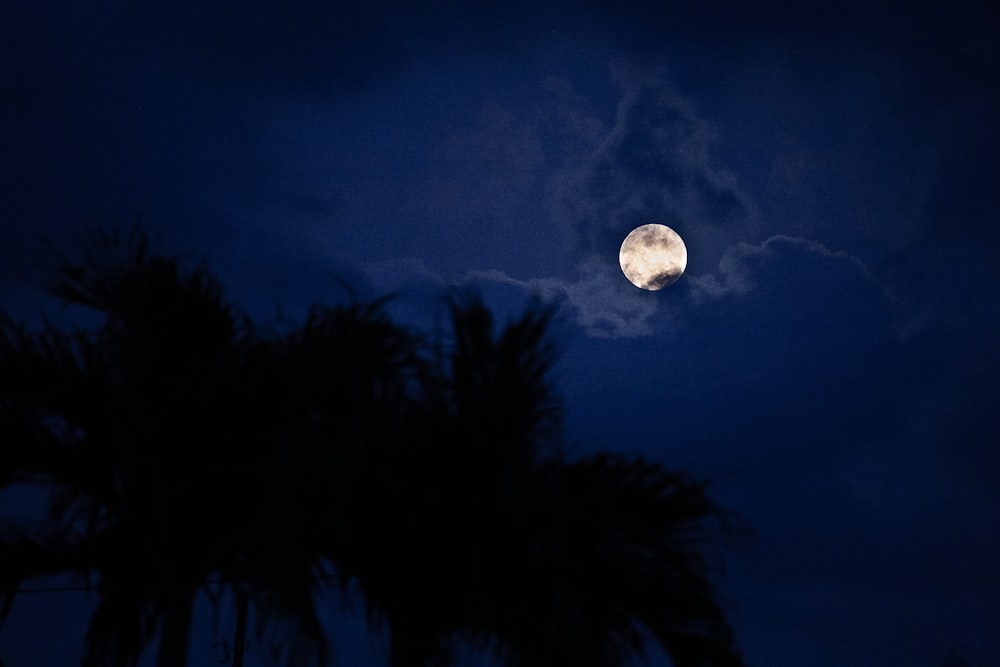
(829, 359)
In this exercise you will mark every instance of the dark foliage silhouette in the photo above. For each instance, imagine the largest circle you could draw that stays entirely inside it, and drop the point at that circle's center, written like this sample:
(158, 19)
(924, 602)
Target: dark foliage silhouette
(182, 445)
(129, 427)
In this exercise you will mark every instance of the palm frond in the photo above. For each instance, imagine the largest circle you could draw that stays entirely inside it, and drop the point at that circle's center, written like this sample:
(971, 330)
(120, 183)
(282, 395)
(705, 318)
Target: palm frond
(501, 383)
(29, 552)
(604, 552)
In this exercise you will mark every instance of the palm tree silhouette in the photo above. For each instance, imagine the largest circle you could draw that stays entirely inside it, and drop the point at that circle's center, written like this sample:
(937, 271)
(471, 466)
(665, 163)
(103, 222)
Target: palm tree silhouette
(124, 423)
(606, 548)
(183, 445)
(495, 536)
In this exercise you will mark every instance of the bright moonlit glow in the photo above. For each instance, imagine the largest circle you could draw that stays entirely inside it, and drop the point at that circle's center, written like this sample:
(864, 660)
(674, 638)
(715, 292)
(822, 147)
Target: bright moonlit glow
(653, 257)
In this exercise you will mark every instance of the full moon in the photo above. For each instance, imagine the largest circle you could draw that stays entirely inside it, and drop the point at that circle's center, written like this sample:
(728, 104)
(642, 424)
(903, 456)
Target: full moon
(653, 257)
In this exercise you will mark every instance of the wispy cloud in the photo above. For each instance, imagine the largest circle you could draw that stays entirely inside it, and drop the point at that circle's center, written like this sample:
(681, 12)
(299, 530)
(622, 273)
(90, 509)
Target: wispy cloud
(741, 262)
(604, 307)
(653, 165)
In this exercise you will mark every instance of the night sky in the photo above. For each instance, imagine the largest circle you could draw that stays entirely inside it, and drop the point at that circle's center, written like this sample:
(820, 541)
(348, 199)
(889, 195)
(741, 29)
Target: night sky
(829, 360)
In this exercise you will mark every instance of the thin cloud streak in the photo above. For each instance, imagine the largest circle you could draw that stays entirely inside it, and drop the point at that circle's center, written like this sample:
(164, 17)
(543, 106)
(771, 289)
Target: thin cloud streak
(603, 305)
(736, 268)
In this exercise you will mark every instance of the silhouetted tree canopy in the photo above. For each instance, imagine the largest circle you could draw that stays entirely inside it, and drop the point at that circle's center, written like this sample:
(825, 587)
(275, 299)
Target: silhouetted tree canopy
(181, 444)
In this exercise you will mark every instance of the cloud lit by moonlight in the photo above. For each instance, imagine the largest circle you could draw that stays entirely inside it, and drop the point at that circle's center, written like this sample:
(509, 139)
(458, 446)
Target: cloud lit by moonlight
(653, 256)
